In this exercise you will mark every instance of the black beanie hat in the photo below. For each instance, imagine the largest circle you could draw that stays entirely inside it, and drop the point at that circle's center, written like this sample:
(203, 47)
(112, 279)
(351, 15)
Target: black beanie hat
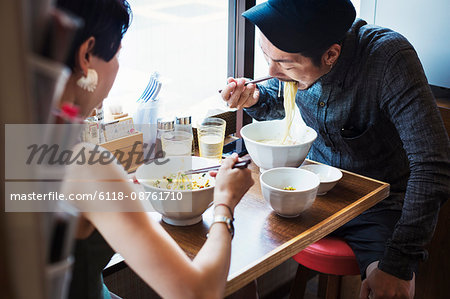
(295, 26)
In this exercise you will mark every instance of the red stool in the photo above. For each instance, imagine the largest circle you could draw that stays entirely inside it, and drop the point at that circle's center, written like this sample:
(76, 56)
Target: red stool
(331, 256)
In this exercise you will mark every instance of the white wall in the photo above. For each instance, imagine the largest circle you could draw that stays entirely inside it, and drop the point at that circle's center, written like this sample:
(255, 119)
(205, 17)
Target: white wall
(426, 24)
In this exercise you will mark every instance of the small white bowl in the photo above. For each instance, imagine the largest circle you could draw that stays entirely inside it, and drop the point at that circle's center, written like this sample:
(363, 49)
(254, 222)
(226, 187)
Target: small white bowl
(177, 207)
(328, 175)
(289, 203)
(268, 156)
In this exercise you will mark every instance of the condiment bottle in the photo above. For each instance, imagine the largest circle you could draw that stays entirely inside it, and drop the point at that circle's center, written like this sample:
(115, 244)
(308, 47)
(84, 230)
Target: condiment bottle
(184, 123)
(100, 118)
(91, 130)
(163, 126)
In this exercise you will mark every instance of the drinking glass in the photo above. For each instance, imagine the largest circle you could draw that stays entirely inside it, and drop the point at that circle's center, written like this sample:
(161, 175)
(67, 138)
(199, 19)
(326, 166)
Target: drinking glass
(211, 133)
(177, 143)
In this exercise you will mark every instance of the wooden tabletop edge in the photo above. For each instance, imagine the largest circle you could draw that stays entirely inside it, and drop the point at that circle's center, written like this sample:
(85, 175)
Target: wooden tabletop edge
(272, 258)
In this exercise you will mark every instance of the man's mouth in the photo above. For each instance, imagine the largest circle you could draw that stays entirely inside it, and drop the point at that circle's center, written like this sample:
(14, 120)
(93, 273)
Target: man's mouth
(286, 79)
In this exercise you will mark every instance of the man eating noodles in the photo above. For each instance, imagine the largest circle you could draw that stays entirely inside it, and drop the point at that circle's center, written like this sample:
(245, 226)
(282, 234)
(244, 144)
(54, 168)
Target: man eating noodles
(363, 89)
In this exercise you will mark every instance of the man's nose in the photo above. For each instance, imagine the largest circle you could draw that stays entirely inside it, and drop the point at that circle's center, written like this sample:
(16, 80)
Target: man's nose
(274, 69)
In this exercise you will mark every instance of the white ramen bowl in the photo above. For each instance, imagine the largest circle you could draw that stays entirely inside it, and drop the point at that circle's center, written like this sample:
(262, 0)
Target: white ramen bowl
(289, 203)
(328, 176)
(177, 207)
(268, 156)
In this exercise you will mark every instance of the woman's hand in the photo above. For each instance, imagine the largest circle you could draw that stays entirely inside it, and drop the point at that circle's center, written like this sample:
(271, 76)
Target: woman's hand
(237, 95)
(231, 183)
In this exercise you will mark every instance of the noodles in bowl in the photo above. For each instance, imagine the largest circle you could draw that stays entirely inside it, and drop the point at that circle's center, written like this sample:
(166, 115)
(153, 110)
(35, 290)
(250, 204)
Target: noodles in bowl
(180, 199)
(264, 144)
(180, 181)
(268, 156)
(277, 142)
(290, 90)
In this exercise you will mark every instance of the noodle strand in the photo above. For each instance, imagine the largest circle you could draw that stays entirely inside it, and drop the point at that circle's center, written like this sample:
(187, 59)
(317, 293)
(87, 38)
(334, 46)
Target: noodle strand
(290, 90)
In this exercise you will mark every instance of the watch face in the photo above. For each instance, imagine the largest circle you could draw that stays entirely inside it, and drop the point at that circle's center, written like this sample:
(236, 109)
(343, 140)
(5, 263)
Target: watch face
(231, 227)
(227, 221)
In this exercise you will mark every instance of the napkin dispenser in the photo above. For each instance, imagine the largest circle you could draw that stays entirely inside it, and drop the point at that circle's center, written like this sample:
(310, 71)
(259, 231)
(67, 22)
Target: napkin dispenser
(124, 142)
(128, 150)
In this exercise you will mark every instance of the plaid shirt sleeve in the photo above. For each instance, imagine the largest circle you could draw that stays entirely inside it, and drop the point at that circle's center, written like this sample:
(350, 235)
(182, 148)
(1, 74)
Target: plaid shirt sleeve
(269, 106)
(408, 102)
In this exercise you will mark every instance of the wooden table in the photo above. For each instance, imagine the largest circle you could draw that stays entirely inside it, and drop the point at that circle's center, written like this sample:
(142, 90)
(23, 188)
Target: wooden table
(264, 240)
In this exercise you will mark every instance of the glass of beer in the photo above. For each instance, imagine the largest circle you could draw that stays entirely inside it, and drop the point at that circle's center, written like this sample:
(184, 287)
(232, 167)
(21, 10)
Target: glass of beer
(211, 133)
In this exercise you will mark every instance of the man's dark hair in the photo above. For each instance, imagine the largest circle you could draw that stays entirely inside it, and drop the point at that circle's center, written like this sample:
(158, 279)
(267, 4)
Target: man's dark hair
(316, 54)
(105, 20)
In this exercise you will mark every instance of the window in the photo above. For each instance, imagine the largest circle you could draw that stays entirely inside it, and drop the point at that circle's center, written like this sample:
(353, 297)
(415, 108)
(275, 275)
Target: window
(186, 42)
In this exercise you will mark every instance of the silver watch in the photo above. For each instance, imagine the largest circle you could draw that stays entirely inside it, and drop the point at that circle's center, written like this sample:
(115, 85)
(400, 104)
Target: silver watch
(224, 219)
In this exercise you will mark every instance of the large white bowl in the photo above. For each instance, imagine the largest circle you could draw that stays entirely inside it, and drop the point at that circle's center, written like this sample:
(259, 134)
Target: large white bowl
(328, 176)
(289, 203)
(268, 156)
(182, 207)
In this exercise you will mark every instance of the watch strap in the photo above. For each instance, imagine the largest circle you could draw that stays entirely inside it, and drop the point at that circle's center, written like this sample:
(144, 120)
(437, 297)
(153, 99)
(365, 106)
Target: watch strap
(226, 220)
(226, 206)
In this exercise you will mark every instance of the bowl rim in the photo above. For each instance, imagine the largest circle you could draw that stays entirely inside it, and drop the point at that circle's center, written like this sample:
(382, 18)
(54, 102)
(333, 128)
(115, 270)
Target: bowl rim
(141, 181)
(323, 166)
(310, 140)
(288, 191)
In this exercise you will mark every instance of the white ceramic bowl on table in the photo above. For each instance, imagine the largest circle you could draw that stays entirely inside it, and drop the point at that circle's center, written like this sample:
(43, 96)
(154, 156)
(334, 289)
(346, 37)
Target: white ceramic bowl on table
(289, 203)
(328, 176)
(181, 207)
(268, 156)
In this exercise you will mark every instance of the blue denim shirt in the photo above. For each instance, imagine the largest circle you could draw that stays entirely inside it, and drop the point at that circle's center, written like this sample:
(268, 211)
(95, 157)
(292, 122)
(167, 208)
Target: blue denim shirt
(375, 115)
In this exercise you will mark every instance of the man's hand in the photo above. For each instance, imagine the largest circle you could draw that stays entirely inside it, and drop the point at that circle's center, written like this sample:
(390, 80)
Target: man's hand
(380, 284)
(237, 95)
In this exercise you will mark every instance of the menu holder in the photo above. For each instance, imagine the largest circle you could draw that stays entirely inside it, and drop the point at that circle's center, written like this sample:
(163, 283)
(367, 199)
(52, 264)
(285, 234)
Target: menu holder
(124, 147)
(118, 128)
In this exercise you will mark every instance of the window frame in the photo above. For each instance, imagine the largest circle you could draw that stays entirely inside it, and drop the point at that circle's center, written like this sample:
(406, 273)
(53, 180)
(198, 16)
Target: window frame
(241, 49)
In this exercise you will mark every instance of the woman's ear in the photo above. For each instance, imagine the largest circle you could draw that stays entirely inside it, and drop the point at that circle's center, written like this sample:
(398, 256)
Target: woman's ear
(331, 55)
(84, 55)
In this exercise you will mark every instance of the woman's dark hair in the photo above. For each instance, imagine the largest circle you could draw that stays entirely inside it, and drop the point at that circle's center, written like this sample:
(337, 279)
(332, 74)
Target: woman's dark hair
(105, 20)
